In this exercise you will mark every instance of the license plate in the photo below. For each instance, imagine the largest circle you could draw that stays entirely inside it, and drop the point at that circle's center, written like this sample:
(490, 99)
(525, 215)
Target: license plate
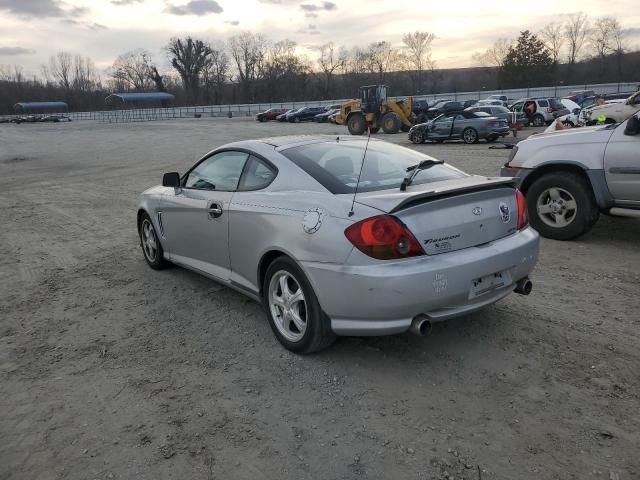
(489, 283)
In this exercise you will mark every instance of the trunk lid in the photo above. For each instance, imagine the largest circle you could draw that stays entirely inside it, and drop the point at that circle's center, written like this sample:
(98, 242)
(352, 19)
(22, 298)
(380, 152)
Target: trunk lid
(452, 215)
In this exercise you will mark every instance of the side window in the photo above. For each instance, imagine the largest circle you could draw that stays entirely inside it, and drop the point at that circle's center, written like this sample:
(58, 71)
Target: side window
(486, 110)
(543, 103)
(218, 172)
(257, 175)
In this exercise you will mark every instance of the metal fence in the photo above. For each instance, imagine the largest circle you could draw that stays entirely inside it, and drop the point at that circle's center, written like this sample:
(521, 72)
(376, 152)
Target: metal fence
(247, 109)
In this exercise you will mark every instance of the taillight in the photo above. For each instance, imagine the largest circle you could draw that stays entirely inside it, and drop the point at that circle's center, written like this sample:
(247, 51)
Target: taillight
(383, 237)
(549, 110)
(523, 213)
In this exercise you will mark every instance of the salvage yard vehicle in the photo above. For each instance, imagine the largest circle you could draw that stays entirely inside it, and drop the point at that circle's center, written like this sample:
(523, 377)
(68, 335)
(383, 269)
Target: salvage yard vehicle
(270, 114)
(570, 176)
(500, 112)
(283, 116)
(292, 223)
(617, 112)
(444, 106)
(323, 117)
(304, 114)
(466, 126)
(545, 110)
(373, 110)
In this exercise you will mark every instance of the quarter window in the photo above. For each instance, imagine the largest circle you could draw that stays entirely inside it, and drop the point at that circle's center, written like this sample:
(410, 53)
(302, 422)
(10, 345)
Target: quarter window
(220, 171)
(257, 174)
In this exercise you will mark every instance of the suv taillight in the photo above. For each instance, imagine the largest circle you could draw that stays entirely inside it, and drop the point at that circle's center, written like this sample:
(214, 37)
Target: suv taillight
(383, 237)
(523, 213)
(549, 109)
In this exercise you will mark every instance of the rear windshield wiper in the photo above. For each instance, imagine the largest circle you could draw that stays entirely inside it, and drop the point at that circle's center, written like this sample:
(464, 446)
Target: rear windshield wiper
(413, 170)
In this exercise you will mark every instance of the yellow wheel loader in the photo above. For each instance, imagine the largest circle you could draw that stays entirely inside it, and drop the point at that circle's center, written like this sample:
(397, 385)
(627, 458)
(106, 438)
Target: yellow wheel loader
(374, 111)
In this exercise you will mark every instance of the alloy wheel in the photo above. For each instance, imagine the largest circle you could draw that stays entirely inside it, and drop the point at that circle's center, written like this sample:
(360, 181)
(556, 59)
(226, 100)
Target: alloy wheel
(556, 207)
(149, 240)
(288, 306)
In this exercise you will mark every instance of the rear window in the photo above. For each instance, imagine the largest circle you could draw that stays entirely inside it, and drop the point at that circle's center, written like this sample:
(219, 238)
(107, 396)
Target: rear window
(336, 165)
(557, 104)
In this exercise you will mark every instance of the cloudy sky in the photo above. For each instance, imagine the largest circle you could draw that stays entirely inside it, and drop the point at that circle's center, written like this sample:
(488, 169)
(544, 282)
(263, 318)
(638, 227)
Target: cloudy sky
(33, 30)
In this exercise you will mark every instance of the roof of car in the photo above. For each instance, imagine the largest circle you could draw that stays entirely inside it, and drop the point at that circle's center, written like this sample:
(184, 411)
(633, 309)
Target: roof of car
(287, 140)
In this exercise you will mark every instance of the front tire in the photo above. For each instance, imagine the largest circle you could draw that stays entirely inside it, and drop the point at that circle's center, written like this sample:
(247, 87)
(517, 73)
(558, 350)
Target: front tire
(417, 137)
(150, 243)
(293, 310)
(391, 122)
(469, 135)
(538, 121)
(561, 206)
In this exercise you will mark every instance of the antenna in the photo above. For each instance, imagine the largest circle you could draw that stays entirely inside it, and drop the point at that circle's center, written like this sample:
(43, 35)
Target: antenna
(360, 174)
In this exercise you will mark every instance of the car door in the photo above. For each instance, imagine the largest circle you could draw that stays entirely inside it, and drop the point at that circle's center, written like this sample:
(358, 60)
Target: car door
(195, 219)
(622, 165)
(442, 126)
(459, 123)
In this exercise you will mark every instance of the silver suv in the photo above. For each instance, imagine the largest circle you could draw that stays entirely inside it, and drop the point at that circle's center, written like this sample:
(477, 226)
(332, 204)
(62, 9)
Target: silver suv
(545, 110)
(570, 176)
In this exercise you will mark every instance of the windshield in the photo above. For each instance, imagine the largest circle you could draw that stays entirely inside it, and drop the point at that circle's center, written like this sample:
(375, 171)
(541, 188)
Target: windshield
(337, 165)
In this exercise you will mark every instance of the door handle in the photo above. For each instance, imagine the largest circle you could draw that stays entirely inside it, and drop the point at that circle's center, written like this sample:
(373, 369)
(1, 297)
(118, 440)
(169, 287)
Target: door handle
(215, 210)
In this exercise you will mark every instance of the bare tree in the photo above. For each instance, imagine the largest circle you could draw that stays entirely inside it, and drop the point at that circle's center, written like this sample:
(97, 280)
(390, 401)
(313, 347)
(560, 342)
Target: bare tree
(133, 70)
(495, 55)
(330, 60)
(190, 58)
(418, 54)
(216, 72)
(553, 37)
(85, 77)
(576, 29)
(606, 36)
(248, 51)
(380, 56)
(61, 68)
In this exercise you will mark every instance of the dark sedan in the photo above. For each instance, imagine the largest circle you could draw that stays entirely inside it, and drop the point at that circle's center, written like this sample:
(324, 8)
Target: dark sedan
(324, 116)
(305, 114)
(270, 114)
(283, 116)
(444, 106)
(466, 126)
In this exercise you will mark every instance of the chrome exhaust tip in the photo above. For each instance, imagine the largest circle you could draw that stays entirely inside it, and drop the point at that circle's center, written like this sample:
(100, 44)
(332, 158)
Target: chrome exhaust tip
(420, 326)
(524, 286)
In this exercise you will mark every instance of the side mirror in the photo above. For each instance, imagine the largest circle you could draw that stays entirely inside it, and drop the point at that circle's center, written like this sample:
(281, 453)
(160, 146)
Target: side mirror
(633, 126)
(576, 111)
(171, 179)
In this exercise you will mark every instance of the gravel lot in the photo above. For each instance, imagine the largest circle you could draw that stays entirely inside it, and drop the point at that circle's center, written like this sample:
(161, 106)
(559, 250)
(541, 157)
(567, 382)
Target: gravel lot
(109, 369)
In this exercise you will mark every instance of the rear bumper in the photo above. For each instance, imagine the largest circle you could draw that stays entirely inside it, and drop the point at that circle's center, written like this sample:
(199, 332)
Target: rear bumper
(502, 132)
(383, 298)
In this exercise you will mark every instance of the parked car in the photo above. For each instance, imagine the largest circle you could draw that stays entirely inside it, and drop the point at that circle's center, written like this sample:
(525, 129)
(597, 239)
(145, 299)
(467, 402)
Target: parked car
(276, 220)
(617, 112)
(283, 116)
(579, 95)
(324, 116)
(466, 126)
(490, 102)
(570, 176)
(333, 116)
(545, 110)
(419, 109)
(504, 101)
(500, 112)
(591, 101)
(444, 106)
(270, 114)
(304, 114)
(469, 103)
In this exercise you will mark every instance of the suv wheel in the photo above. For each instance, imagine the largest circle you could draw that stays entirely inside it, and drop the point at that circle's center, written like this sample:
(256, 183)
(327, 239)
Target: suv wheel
(561, 206)
(538, 120)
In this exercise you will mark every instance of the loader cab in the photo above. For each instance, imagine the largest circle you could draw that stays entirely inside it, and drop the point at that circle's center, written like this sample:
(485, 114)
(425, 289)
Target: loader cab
(373, 96)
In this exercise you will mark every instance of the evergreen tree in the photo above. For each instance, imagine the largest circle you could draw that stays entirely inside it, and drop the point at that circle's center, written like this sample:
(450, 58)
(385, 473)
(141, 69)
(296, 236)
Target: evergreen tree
(527, 63)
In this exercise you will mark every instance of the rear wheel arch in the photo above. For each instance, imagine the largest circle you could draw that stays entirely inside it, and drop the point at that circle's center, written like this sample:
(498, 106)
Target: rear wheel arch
(263, 265)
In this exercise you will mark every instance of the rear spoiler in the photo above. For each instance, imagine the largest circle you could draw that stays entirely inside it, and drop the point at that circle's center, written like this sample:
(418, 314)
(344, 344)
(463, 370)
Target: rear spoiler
(488, 183)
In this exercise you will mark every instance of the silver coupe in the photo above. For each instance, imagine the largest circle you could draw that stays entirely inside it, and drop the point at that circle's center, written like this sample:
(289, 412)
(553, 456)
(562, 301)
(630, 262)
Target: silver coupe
(337, 236)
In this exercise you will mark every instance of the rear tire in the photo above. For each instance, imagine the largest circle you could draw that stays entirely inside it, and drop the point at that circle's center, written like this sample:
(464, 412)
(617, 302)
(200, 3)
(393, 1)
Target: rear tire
(356, 124)
(391, 122)
(572, 195)
(469, 135)
(285, 318)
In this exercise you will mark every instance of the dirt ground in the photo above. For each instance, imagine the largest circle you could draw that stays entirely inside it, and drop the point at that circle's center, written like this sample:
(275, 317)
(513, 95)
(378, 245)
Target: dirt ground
(109, 369)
